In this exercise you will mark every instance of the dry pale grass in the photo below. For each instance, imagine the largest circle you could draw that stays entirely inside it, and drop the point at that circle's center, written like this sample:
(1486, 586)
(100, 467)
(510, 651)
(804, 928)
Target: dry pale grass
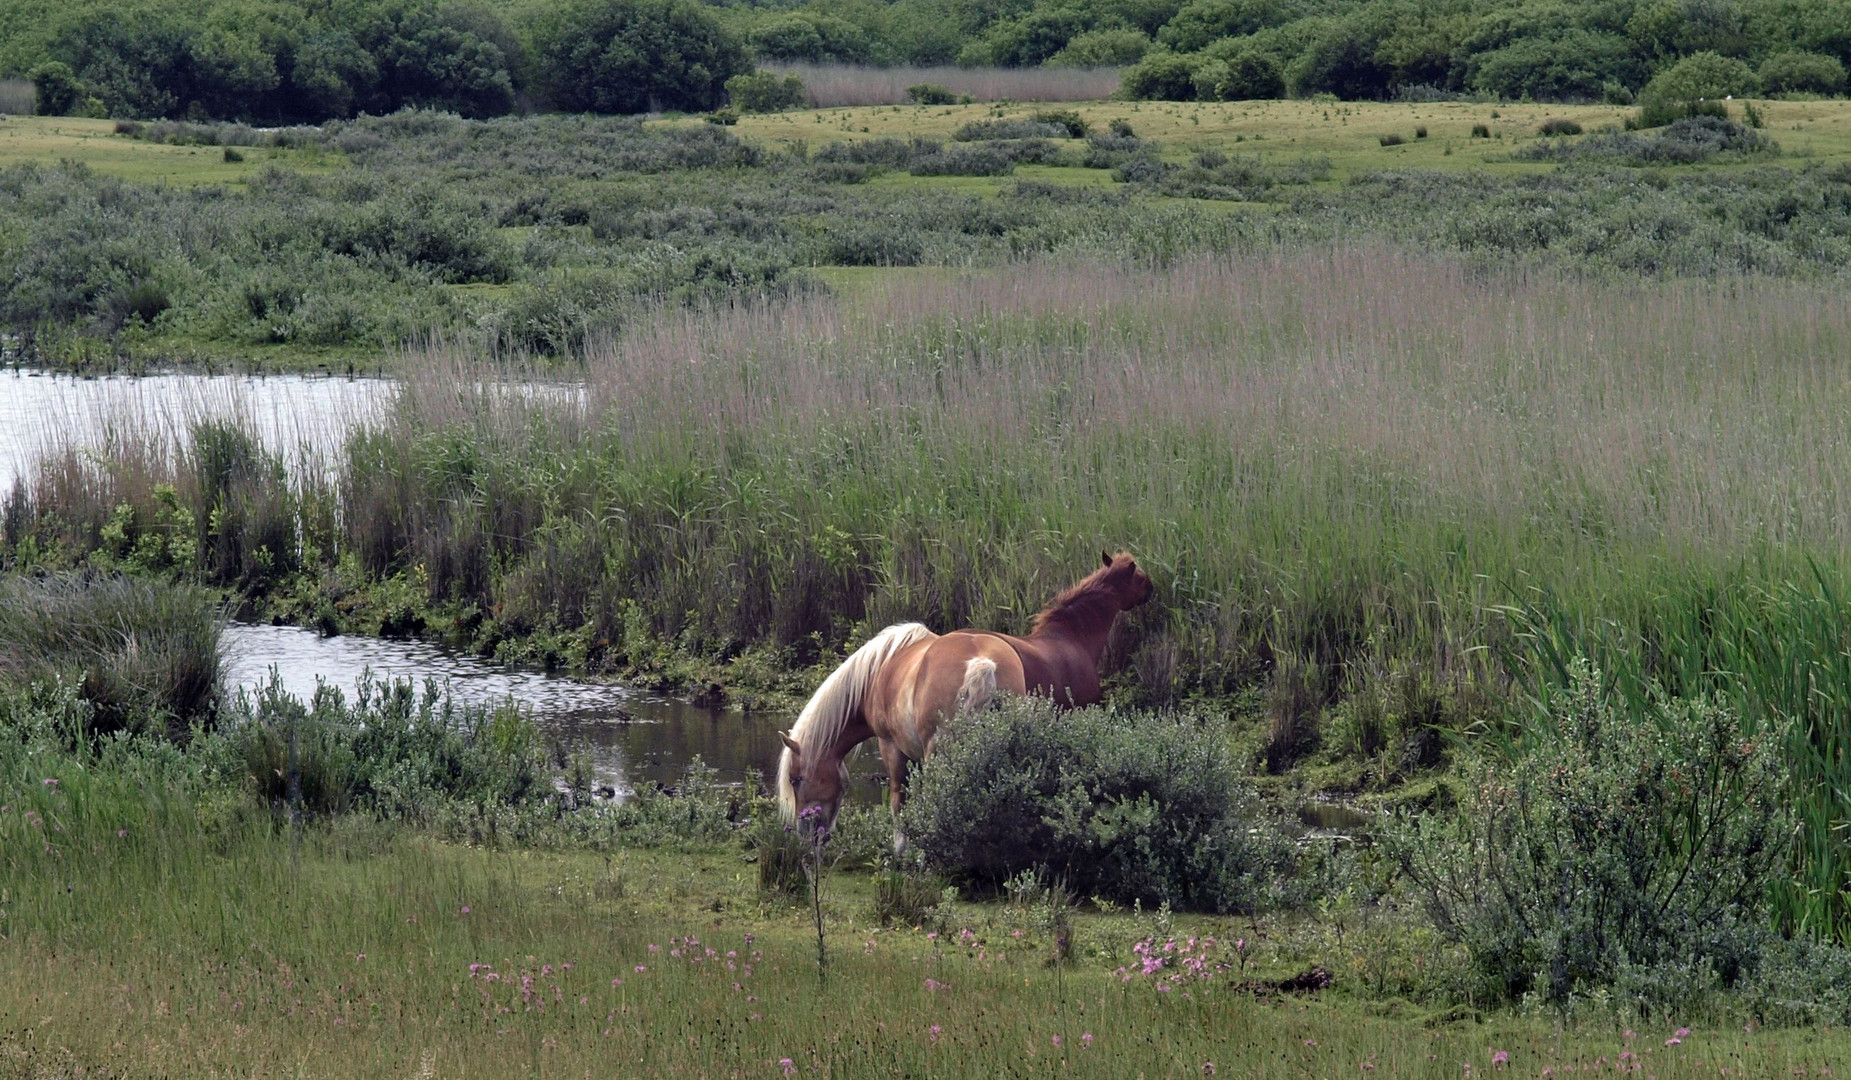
(830, 86)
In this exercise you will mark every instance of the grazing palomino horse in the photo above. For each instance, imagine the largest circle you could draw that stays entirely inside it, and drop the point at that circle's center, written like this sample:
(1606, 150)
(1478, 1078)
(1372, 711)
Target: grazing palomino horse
(906, 681)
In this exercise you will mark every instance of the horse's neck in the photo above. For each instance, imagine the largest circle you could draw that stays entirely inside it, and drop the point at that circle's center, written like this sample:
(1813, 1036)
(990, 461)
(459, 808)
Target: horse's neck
(1089, 636)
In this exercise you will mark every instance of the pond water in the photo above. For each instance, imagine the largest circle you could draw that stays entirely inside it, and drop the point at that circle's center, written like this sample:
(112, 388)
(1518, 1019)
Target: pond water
(290, 413)
(632, 737)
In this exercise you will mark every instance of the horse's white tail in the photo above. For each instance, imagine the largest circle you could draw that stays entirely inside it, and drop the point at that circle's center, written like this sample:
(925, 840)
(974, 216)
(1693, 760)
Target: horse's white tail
(979, 687)
(829, 709)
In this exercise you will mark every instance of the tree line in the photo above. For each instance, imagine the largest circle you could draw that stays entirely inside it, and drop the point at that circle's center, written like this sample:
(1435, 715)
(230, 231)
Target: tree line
(283, 61)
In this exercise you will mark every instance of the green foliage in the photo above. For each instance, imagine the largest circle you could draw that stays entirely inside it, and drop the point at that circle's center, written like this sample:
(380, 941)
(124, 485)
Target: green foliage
(1685, 141)
(1131, 808)
(141, 656)
(1802, 73)
(632, 56)
(1605, 846)
(1102, 48)
(1200, 23)
(1574, 65)
(811, 37)
(1557, 126)
(1701, 78)
(930, 94)
(764, 92)
(56, 88)
(1246, 76)
(1161, 76)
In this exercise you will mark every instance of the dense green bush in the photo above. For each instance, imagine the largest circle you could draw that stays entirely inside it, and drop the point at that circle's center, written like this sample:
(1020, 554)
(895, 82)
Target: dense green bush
(1161, 76)
(1802, 73)
(632, 56)
(1102, 48)
(1132, 808)
(812, 37)
(56, 91)
(1702, 77)
(765, 92)
(1606, 848)
(985, 130)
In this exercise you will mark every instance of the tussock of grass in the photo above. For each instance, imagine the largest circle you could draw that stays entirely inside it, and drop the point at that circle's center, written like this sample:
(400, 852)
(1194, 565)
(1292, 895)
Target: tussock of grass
(145, 655)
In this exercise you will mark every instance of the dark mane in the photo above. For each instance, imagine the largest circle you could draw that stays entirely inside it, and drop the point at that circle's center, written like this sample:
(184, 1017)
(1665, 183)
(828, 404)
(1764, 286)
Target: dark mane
(1083, 605)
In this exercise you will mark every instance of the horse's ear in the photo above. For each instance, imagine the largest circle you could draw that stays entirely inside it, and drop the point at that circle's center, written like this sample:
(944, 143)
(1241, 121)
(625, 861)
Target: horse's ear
(1105, 557)
(790, 743)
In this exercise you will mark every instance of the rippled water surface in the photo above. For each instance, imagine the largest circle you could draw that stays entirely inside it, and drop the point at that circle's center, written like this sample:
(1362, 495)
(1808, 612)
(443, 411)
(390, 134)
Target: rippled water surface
(633, 738)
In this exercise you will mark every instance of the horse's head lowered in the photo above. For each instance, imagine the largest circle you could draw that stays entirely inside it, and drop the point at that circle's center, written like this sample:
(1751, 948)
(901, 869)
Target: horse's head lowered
(814, 788)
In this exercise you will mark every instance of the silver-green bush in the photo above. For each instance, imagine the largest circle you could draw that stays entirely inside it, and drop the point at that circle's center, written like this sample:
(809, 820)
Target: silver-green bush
(1610, 849)
(1147, 807)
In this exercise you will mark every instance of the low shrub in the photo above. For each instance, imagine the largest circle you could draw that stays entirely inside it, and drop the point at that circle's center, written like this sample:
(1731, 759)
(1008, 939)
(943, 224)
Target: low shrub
(1391, 140)
(1072, 121)
(930, 94)
(1481, 131)
(1685, 141)
(1603, 849)
(1557, 125)
(983, 130)
(1148, 808)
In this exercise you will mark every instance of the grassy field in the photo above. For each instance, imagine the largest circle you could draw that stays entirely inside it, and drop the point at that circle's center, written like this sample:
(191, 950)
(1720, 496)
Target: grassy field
(48, 140)
(370, 952)
(1348, 133)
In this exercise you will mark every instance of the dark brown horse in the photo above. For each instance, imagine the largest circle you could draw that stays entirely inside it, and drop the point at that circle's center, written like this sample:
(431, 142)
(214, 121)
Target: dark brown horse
(907, 681)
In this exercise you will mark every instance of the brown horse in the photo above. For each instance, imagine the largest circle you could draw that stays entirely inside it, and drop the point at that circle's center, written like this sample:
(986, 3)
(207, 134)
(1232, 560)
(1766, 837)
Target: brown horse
(907, 681)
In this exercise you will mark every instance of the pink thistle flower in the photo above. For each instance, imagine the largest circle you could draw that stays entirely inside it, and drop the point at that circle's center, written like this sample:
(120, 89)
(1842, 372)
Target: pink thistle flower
(1674, 1041)
(465, 909)
(1208, 1068)
(1682, 1033)
(640, 969)
(51, 781)
(787, 1065)
(617, 981)
(934, 1032)
(1311, 1042)
(1057, 1040)
(120, 833)
(359, 957)
(1086, 1039)
(1500, 1058)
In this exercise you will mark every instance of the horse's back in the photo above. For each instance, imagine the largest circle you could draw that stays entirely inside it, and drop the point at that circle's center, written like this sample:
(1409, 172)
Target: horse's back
(918, 689)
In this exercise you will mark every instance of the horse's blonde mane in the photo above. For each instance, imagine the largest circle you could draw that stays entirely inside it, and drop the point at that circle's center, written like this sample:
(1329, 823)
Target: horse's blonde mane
(829, 709)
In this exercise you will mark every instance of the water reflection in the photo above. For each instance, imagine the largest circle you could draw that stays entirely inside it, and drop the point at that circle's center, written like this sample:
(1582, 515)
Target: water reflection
(633, 738)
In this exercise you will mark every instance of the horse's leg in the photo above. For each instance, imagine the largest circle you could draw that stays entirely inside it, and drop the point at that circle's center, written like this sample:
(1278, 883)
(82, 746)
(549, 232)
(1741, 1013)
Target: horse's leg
(897, 766)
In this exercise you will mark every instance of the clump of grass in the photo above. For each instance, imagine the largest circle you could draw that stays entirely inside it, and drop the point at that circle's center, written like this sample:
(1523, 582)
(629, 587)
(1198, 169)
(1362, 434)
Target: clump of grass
(1556, 125)
(143, 655)
(1481, 131)
(1420, 132)
(1391, 139)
